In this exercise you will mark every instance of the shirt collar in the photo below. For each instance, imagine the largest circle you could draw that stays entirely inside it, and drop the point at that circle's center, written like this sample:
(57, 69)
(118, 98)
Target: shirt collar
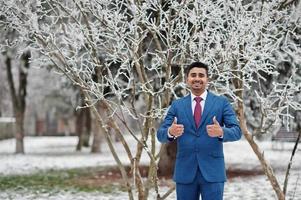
(204, 96)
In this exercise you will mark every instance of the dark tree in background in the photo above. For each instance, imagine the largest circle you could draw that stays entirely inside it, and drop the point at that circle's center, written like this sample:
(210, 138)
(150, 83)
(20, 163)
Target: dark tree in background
(18, 95)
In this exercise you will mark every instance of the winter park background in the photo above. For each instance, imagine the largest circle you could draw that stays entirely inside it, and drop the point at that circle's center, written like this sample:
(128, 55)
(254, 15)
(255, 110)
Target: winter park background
(85, 85)
(58, 153)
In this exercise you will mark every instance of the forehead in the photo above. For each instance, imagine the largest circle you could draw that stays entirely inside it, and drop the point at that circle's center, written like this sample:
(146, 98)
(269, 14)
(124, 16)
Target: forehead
(197, 70)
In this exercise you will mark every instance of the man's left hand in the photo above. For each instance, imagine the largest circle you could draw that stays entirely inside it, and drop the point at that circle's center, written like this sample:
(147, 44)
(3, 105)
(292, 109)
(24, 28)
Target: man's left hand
(215, 130)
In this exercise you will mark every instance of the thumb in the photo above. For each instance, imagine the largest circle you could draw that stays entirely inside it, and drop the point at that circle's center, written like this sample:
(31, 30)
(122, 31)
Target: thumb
(215, 121)
(174, 120)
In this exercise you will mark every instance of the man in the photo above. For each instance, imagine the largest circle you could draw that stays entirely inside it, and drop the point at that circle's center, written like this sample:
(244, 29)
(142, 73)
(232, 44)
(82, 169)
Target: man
(200, 123)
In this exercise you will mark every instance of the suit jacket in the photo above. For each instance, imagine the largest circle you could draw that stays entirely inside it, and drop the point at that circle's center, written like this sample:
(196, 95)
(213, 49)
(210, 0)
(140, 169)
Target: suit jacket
(195, 148)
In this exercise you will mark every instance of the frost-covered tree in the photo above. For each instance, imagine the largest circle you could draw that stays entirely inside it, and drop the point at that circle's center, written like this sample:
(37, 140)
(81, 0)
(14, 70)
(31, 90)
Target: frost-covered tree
(16, 60)
(119, 52)
(5, 107)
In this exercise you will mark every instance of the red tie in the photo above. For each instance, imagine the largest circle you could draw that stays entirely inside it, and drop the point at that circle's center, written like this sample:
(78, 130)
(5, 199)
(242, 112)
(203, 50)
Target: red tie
(198, 111)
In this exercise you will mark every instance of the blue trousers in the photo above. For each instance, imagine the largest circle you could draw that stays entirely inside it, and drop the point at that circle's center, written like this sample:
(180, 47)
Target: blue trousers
(200, 187)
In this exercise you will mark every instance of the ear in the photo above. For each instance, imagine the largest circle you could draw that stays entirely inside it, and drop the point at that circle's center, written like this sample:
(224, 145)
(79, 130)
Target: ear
(209, 84)
(186, 78)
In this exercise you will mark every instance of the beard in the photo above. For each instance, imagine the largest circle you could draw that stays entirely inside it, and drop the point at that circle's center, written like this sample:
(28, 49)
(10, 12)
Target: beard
(197, 84)
(197, 87)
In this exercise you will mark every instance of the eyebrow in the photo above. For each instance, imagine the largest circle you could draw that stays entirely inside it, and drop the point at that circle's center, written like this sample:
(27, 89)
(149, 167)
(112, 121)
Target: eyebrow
(197, 73)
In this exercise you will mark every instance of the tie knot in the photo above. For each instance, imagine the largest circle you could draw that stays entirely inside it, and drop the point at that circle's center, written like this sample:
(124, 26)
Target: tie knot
(198, 99)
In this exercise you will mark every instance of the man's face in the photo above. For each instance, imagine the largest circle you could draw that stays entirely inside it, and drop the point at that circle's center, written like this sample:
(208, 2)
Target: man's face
(197, 80)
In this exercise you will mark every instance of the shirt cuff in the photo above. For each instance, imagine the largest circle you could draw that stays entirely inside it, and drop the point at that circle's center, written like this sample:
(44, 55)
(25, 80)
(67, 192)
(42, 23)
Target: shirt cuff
(221, 138)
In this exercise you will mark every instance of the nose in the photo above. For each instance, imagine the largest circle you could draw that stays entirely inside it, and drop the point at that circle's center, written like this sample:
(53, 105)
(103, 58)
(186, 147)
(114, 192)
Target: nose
(197, 78)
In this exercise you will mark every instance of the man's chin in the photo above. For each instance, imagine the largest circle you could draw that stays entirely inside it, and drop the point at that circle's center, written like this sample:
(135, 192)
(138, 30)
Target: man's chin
(197, 90)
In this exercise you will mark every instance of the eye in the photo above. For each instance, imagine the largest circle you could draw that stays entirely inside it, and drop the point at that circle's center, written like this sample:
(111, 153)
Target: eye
(193, 75)
(201, 75)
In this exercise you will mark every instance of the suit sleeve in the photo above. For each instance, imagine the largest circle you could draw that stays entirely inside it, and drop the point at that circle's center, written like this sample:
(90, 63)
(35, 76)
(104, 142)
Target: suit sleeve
(163, 129)
(231, 128)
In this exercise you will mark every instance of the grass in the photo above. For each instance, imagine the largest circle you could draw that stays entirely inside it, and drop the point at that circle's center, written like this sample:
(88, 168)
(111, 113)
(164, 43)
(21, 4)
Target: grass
(59, 180)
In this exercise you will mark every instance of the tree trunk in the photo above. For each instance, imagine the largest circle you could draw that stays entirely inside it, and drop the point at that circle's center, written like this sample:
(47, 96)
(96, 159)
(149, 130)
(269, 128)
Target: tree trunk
(291, 160)
(19, 135)
(167, 159)
(79, 129)
(239, 85)
(98, 133)
(96, 144)
(83, 125)
(260, 154)
(19, 98)
(87, 127)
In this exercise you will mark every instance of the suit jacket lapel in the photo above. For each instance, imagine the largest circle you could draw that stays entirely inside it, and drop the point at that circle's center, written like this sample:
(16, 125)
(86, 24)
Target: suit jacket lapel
(188, 110)
(209, 103)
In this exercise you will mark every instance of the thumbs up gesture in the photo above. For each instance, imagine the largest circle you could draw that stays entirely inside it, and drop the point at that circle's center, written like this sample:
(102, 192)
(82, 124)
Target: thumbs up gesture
(214, 130)
(175, 129)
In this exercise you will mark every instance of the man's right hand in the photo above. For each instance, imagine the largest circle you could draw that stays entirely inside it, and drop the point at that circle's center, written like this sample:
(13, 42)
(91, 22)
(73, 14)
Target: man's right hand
(175, 129)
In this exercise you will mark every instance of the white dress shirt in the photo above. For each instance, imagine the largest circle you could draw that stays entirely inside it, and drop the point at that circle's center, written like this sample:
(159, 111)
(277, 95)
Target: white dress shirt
(193, 103)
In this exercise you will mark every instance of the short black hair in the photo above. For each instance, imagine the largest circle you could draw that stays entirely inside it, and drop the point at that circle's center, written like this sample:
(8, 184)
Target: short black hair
(198, 65)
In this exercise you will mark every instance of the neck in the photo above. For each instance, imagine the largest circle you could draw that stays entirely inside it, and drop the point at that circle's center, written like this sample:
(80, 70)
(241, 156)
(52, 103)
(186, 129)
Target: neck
(197, 93)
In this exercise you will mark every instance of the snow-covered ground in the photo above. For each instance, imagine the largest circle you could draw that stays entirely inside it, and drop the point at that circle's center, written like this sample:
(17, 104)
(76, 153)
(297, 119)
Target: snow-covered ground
(44, 153)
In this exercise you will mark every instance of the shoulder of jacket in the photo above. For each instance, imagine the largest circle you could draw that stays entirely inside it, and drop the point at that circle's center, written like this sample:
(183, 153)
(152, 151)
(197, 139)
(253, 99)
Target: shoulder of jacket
(181, 99)
(218, 96)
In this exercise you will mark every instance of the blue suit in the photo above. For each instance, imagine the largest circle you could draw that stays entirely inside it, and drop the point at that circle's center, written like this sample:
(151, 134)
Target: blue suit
(195, 149)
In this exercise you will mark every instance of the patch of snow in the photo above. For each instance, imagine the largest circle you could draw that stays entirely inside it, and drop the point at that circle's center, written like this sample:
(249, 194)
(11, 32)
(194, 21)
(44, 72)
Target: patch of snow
(45, 153)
